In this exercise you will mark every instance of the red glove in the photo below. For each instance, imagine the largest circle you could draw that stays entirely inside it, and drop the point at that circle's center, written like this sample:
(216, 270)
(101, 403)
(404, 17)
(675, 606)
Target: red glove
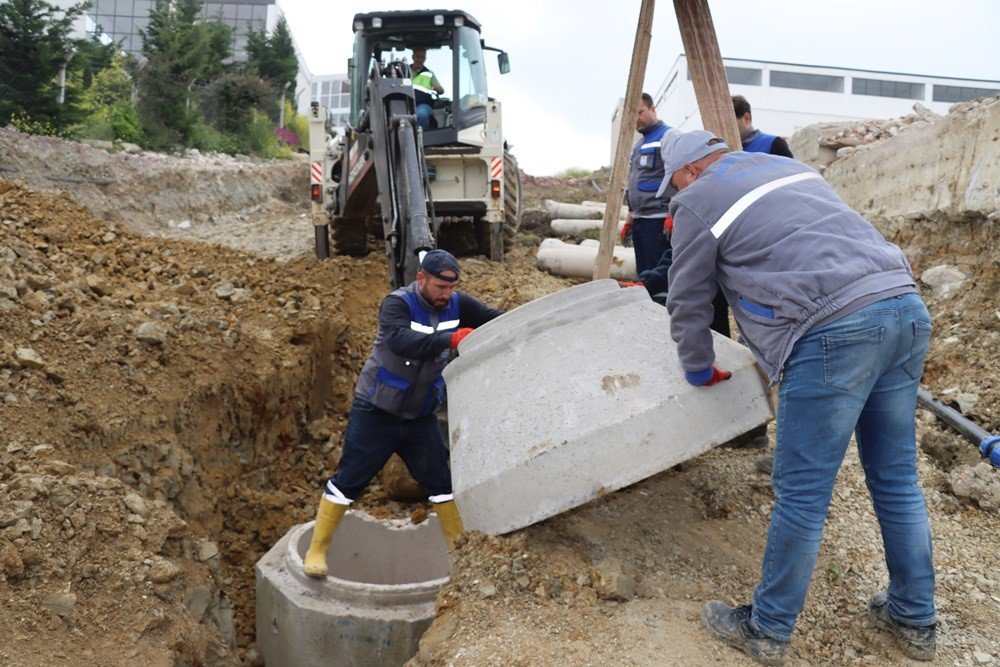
(625, 234)
(707, 377)
(718, 375)
(668, 225)
(457, 337)
(626, 283)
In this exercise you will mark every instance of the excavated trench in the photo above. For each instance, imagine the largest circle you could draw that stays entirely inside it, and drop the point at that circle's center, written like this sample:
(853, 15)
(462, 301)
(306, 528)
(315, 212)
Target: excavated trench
(241, 462)
(227, 455)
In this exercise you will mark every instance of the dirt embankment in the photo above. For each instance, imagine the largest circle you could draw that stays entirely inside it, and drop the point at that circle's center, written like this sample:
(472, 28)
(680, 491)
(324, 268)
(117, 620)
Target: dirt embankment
(247, 203)
(211, 384)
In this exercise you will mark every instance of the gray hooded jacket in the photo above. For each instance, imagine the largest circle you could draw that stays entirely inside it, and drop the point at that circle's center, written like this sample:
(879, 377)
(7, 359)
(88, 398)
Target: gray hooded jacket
(788, 252)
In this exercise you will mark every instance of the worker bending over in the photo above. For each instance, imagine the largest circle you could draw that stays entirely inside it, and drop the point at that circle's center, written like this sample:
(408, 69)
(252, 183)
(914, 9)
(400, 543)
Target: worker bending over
(829, 308)
(398, 392)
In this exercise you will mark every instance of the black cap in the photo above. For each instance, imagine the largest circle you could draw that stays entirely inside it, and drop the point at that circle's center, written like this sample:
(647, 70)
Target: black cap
(437, 261)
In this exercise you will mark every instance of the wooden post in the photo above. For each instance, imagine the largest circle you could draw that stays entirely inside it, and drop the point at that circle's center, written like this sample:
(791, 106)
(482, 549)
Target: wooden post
(708, 74)
(619, 170)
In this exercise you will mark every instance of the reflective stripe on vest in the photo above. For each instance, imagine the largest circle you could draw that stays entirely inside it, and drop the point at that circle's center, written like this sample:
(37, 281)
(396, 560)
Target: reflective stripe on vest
(424, 81)
(420, 319)
(744, 202)
(646, 171)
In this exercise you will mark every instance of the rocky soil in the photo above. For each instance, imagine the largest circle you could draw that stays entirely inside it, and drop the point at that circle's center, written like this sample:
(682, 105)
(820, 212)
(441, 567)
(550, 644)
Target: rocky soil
(169, 408)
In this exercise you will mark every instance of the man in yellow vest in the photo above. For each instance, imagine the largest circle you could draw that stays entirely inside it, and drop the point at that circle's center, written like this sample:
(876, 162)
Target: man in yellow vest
(425, 85)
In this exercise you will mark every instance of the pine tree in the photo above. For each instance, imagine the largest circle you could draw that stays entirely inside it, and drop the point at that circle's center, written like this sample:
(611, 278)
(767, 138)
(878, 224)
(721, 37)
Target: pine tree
(182, 50)
(34, 44)
(273, 57)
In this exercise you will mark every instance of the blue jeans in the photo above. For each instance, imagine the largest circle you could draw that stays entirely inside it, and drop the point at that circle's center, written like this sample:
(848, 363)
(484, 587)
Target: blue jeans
(649, 242)
(859, 373)
(423, 113)
(373, 436)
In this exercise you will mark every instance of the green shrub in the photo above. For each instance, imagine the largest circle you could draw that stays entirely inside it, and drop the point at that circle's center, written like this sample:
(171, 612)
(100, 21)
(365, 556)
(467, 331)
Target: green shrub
(124, 122)
(262, 140)
(207, 138)
(22, 122)
(299, 125)
(573, 172)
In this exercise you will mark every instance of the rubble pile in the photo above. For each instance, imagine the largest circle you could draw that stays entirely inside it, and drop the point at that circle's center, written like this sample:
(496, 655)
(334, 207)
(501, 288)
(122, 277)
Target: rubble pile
(867, 133)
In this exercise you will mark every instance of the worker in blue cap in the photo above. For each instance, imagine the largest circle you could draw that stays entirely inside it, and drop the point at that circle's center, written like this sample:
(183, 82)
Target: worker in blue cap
(398, 392)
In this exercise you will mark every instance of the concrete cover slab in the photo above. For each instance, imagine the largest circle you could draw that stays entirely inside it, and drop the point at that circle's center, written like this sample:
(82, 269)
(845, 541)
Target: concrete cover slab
(372, 609)
(578, 394)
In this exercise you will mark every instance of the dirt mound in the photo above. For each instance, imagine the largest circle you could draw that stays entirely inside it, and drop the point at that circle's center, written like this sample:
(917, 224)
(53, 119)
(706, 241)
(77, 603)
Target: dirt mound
(214, 383)
(197, 195)
(90, 573)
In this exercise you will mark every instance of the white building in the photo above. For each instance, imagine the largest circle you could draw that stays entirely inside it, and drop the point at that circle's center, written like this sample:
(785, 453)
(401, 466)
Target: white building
(786, 97)
(332, 91)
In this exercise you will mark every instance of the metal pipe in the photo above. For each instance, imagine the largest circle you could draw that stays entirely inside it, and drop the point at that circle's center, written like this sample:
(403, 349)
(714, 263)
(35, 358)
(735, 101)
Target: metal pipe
(989, 445)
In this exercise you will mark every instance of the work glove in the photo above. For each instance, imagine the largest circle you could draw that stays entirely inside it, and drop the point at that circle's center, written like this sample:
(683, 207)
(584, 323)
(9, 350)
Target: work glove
(457, 337)
(668, 226)
(707, 377)
(626, 283)
(626, 235)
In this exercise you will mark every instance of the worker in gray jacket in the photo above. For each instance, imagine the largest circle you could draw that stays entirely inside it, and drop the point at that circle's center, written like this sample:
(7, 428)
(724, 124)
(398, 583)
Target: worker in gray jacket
(829, 308)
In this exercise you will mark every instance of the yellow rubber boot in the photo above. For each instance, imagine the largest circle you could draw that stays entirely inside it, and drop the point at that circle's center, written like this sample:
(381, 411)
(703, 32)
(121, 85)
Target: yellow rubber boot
(450, 520)
(327, 519)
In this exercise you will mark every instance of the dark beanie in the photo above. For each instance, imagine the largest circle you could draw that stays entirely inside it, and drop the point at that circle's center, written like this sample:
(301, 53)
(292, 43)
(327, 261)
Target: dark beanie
(437, 261)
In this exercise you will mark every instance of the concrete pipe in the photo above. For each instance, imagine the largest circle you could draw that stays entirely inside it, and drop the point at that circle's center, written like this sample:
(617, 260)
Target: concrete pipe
(543, 416)
(558, 209)
(372, 608)
(578, 261)
(602, 205)
(571, 227)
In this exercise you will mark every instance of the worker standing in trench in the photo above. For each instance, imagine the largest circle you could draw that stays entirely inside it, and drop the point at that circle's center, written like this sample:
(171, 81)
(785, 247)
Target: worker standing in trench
(830, 308)
(399, 389)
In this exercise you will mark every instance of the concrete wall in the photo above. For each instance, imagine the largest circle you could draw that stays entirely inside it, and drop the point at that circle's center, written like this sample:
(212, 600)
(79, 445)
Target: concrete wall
(948, 169)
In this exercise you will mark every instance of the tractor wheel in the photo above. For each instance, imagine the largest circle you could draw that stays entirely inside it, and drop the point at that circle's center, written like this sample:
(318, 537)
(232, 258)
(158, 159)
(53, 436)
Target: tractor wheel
(511, 200)
(349, 237)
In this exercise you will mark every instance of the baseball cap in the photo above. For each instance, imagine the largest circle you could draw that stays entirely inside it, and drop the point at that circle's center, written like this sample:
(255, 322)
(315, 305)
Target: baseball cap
(438, 261)
(684, 148)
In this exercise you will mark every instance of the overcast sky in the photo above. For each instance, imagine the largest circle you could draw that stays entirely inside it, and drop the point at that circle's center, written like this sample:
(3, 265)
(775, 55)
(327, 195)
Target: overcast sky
(570, 58)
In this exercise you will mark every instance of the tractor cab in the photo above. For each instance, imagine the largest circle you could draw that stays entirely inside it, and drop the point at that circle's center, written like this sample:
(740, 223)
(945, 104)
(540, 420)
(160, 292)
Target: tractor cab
(441, 53)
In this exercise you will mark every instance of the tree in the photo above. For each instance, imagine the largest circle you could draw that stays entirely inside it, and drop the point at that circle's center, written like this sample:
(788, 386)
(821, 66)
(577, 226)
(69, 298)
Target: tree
(234, 97)
(181, 50)
(273, 57)
(34, 44)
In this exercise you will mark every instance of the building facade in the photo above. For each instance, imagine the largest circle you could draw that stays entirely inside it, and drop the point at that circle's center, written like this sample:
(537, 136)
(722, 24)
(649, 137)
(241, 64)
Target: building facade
(332, 91)
(786, 97)
(122, 20)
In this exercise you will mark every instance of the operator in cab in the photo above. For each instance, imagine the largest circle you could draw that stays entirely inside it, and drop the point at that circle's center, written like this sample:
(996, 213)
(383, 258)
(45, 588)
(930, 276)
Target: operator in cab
(425, 87)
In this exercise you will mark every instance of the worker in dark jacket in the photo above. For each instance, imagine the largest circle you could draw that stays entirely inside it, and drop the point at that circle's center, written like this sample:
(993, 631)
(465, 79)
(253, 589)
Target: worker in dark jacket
(398, 391)
(830, 308)
(755, 141)
(647, 209)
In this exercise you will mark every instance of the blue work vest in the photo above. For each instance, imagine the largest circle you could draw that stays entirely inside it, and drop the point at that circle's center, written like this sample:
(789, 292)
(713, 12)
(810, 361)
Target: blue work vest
(408, 388)
(760, 143)
(646, 173)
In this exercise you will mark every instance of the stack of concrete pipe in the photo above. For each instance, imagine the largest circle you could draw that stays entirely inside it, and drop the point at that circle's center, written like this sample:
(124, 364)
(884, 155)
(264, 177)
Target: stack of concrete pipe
(588, 210)
(546, 412)
(578, 261)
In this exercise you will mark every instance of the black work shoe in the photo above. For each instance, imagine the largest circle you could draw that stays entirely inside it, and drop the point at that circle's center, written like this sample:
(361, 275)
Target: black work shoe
(919, 643)
(733, 627)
